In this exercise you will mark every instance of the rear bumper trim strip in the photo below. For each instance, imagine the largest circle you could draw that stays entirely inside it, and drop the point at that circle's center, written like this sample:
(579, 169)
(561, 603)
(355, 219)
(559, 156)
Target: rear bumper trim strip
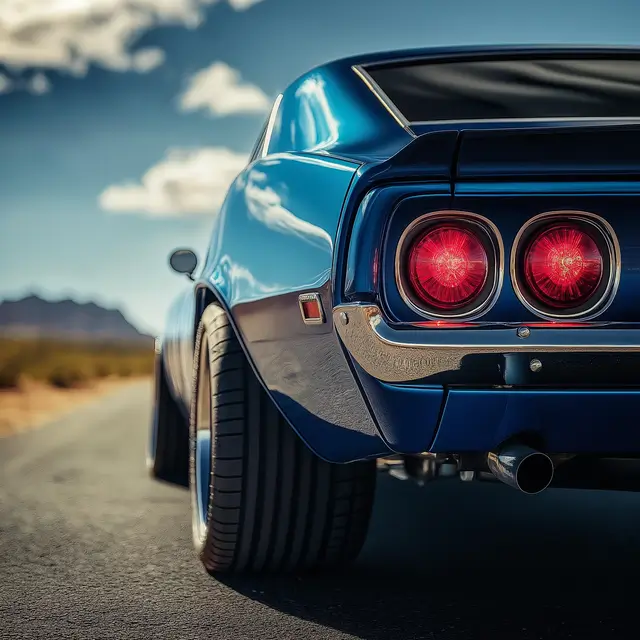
(409, 354)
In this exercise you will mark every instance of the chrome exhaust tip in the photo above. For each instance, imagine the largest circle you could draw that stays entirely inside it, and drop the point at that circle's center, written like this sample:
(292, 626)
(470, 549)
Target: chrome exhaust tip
(522, 468)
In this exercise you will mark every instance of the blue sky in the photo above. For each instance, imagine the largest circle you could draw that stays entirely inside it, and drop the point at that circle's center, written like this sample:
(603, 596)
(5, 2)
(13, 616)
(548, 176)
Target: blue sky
(94, 94)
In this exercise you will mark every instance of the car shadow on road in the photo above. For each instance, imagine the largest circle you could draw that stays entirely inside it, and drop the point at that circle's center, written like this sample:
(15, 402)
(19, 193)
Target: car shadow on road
(457, 560)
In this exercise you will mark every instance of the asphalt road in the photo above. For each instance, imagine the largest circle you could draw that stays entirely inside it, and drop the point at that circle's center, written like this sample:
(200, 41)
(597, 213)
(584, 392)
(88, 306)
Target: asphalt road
(90, 547)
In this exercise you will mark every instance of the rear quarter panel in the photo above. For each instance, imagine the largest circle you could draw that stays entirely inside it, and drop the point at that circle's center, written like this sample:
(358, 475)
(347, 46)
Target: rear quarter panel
(177, 346)
(273, 240)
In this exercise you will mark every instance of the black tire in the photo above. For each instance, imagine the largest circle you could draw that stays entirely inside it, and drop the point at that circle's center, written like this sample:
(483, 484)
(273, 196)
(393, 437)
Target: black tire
(168, 455)
(272, 505)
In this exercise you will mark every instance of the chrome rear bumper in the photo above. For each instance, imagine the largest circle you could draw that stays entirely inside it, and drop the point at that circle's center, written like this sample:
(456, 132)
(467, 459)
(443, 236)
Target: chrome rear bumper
(410, 353)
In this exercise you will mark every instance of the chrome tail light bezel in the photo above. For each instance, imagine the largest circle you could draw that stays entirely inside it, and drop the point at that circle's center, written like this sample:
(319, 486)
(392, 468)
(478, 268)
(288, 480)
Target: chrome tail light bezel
(492, 241)
(608, 241)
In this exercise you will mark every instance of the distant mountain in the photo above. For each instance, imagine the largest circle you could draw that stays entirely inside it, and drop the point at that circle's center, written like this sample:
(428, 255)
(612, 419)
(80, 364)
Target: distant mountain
(66, 319)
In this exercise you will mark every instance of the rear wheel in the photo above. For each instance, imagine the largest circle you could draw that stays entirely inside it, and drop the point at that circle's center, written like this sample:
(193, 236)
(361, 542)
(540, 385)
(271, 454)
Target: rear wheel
(261, 500)
(168, 453)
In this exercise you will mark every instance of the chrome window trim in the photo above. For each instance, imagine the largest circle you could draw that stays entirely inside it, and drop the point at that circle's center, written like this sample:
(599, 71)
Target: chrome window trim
(451, 215)
(611, 240)
(259, 145)
(595, 120)
(384, 99)
(507, 53)
(270, 125)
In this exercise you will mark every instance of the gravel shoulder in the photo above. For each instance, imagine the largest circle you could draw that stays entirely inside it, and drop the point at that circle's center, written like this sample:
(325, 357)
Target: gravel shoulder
(35, 404)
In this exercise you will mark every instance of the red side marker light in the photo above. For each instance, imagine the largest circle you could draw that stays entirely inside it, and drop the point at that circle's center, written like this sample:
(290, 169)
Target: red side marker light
(311, 308)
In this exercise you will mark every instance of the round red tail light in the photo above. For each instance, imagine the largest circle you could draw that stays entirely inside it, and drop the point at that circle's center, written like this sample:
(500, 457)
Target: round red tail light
(448, 267)
(563, 266)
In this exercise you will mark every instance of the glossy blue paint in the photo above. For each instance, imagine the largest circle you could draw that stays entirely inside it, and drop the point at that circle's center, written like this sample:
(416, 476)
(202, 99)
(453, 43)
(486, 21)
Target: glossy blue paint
(322, 211)
(581, 421)
(591, 150)
(330, 111)
(277, 227)
(275, 239)
(177, 349)
(407, 415)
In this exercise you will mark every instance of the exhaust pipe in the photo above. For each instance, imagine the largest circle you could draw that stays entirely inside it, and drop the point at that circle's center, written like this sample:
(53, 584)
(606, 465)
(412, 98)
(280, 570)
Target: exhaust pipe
(520, 467)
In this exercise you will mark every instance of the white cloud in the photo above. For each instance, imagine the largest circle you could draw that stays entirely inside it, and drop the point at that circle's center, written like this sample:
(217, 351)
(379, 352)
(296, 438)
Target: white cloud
(219, 89)
(69, 35)
(148, 59)
(5, 84)
(241, 5)
(186, 181)
(38, 84)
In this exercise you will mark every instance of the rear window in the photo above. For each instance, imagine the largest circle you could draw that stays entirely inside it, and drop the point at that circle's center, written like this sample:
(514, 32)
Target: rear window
(513, 89)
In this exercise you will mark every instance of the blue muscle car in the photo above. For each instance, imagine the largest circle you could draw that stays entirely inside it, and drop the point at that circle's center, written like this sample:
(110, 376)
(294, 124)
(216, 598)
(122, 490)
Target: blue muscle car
(432, 259)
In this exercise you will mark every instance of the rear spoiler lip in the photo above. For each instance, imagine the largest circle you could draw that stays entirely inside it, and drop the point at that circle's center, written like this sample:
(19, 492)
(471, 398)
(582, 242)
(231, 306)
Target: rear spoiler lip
(456, 156)
(596, 151)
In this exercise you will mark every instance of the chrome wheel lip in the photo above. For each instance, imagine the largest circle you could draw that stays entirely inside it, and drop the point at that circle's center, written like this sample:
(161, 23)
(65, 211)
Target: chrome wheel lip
(152, 441)
(202, 461)
(201, 442)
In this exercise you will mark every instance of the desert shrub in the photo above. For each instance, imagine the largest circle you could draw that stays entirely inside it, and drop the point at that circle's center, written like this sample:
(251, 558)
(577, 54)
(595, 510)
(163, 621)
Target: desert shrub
(68, 364)
(125, 370)
(68, 377)
(103, 370)
(10, 375)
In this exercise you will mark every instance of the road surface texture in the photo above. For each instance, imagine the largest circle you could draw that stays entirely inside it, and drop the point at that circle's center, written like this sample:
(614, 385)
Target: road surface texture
(90, 547)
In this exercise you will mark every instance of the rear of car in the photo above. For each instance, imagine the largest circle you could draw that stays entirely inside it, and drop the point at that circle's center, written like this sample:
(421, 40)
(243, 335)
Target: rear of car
(493, 307)
(432, 261)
